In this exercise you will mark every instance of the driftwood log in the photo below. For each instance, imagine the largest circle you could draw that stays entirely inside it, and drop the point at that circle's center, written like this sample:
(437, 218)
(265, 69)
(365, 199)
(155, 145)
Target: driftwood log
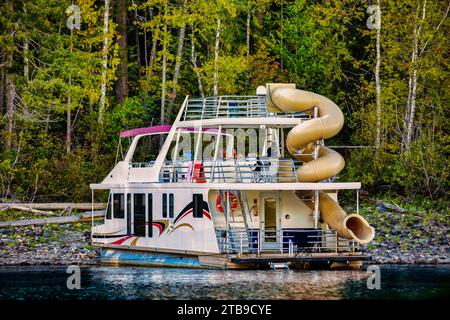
(69, 219)
(386, 205)
(12, 206)
(87, 206)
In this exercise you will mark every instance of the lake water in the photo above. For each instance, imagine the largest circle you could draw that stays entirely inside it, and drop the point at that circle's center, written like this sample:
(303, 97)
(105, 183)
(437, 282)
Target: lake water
(100, 282)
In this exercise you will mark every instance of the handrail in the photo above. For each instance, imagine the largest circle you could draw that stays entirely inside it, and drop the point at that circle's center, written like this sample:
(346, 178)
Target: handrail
(232, 170)
(240, 240)
(242, 106)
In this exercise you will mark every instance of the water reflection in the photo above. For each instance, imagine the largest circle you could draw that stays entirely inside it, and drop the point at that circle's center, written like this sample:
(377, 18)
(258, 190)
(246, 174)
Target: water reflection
(212, 284)
(46, 282)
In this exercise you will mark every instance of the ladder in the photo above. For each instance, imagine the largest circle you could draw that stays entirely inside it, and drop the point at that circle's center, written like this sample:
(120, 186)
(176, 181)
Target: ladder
(245, 210)
(237, 226)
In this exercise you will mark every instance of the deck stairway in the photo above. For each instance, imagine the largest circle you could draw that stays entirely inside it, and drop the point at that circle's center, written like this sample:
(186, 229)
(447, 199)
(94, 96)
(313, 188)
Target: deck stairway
(238, 230)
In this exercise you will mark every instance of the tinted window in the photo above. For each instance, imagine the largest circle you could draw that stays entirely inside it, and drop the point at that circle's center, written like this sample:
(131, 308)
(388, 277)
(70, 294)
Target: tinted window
(119, 206)
(148, 148)
(150, 215)
(198, 206)
(164, 205)
(171, 205)
(139, 214)
(129, 213)
(108, 209)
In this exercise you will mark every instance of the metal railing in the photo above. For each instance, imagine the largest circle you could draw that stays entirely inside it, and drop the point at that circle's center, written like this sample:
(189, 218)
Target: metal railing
(142, 164)
(232, 107)
(232, 171)
(291, 242)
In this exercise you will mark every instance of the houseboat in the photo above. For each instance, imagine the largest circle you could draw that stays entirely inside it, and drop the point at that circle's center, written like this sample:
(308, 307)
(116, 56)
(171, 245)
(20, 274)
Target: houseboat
(235, 182)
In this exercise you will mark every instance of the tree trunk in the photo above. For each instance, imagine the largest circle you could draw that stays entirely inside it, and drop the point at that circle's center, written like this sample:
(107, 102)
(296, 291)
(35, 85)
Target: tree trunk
(164, 67)
(249, 16)
(153, 51)
(69, 119)
(138, 46)
(281, 34)
(411, 105)
(122, 70)
(154, 45)
(377, 82)
(2, 88)
(26, 65)
(104, 62)
(26, 68)
(216, 60)
(10, 95)
(194, 63)
(69, 105)
(177, 68)
(145, 45)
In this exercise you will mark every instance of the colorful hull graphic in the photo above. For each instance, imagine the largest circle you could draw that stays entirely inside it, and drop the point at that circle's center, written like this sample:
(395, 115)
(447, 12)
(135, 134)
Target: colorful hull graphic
(128, 257)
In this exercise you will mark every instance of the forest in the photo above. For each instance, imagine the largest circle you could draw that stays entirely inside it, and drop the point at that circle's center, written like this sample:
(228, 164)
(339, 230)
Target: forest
(74, 73)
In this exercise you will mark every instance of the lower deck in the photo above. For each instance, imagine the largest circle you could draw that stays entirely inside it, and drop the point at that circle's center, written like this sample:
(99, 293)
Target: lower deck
(224, 228)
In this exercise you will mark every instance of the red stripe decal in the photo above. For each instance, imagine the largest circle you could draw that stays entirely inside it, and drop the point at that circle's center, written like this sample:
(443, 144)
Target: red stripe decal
(158, 226)
(120, 241)
(186, 213)
(206, 213)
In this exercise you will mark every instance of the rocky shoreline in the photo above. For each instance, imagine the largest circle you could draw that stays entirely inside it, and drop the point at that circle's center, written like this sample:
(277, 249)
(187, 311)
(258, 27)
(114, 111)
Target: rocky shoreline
(395, 243)
(410, 237)
(47, 245)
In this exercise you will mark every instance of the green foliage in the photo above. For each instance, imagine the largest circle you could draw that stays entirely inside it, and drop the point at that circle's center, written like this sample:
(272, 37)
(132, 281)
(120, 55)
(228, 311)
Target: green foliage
(321, 46)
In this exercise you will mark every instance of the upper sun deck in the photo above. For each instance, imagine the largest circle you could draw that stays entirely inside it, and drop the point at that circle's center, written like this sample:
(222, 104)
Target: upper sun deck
(207, 146)
(235, 111)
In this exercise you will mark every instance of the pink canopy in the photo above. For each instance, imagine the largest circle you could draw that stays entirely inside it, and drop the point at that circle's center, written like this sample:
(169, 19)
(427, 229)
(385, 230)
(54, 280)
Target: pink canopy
(158, 129)
(155, 129)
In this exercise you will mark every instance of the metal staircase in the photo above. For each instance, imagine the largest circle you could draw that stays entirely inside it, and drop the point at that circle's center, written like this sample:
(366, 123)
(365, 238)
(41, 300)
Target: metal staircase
(237, 226)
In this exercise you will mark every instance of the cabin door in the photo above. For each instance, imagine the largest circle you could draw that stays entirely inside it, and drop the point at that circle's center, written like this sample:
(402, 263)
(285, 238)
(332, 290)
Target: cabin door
(269, 223)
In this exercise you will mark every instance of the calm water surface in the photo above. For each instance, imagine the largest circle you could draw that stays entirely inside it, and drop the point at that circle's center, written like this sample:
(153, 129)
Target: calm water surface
(49, 282)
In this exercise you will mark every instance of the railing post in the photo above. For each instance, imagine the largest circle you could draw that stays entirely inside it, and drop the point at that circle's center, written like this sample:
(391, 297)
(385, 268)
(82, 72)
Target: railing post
(316, 209)
(337, 241)
(290, 248)
(216, 152)
(357, 201)
(175, 158)
(259, 241)
(281, 239)
(241, 241)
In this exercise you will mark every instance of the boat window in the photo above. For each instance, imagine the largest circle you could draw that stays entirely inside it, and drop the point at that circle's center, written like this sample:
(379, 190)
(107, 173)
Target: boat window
(198, 205)
(150, 214)
(171, 205)
(129, 213)
(164, 205)
(139, 214)
(119, 206)
(108, 209)
(147, 149)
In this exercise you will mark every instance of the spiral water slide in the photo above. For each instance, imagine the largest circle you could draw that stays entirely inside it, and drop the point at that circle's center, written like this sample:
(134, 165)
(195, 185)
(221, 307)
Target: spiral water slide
(327, 162)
